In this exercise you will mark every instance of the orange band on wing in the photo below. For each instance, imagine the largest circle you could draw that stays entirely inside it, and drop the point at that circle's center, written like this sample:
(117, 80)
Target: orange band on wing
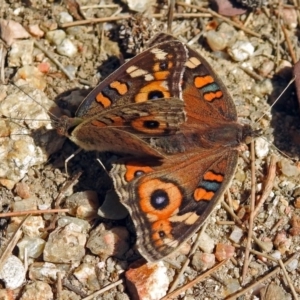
(212, 96)
(210, 176)
(201, 194)
(105, 101)
(120, 87)
(202, 81)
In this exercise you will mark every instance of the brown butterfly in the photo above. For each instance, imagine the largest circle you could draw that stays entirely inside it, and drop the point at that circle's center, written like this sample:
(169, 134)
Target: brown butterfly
(169, 199)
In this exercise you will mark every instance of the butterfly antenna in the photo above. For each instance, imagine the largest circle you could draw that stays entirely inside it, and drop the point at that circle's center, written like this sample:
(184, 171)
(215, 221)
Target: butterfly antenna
(291, 81)
(102, 165)
(69, 158)
(55, 118)
(282, 153)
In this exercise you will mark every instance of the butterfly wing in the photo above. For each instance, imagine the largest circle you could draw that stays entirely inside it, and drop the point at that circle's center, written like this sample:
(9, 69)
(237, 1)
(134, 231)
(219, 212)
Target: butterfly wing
(153, 74)
(203, 91)
(130, 128)
(169, 200)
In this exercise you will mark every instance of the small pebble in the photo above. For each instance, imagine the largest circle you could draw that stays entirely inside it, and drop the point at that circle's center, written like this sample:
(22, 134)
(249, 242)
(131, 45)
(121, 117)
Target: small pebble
(236, 234)
(34, 246)
(44, 67)
(87, 276)
(224, 251)
(65, 245)
(32, 76)
(140, 6)
(49, 25)
(37, 290)
(11, 30)
(293, 265)
(33, 226)
(226, 8)
(288, 169)
(232, 285)
(206, 243)
(56, 36)
(13, 273)
(261, 147)
(295, 222)
(26, 204)
(36, 31)
(22, 190)
(9, 184)
(64, 17)
(216, 40)
(274, 292)
(83, 205)
(241, 50)
(108, 242)
(147, 281)
(266, 68)
(83, 225)
(66, 48)
(203, 261)
(289, 17)
(276, 254)
(45, 271)
(282, 242)
(21, 53)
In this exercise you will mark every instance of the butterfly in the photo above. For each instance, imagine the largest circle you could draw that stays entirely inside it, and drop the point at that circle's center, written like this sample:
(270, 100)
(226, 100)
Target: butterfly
(139, 102)
(170, 198)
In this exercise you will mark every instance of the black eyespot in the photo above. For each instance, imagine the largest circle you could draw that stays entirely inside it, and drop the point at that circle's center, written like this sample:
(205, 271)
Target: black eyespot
(163, 65)
(155, 95)
(161, 234)
(138, 173)
(160, 199)
(151, 124)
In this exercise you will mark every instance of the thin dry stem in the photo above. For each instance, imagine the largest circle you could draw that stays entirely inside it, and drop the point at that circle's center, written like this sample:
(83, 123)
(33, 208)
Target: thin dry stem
(12, 243)
(105, 289)
(33, 212)
(269, 185)
(260, 281)
(211, 12)
(193, 282)
(251, 220)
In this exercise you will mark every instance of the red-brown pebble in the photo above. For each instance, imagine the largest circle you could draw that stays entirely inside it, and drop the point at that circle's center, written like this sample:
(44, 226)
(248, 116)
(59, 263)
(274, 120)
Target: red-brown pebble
(224, 251)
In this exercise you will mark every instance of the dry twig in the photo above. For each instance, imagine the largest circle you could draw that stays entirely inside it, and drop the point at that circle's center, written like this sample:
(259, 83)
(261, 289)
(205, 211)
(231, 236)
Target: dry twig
(193, 282)
(268, 186)
(251, 220)
(260, 281)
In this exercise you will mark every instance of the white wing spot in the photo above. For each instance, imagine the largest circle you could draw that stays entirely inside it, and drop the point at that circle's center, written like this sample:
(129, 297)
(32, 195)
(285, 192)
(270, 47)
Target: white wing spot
(159, 54)
(149, 77)
(193, 63)
(134, 71)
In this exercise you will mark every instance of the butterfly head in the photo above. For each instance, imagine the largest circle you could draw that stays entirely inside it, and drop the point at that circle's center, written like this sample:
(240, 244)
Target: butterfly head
(248, 134)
